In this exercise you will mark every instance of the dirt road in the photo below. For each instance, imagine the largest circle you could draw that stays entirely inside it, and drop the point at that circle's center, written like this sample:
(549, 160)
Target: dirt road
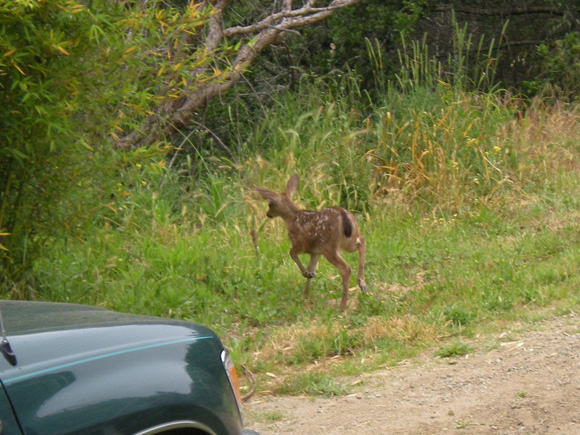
(529, 385)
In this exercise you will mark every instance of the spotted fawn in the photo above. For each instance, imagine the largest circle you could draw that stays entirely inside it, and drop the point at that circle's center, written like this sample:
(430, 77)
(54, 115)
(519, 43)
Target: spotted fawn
(324, 232)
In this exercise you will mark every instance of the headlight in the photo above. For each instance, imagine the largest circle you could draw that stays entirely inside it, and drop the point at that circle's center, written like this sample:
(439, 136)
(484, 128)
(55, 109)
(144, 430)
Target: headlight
(232, 376)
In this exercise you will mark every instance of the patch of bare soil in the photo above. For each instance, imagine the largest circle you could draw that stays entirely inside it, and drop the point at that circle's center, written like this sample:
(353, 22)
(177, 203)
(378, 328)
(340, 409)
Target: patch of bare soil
(530, 385)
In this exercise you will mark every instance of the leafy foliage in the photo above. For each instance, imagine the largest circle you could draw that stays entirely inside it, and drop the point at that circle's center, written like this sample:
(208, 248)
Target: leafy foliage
(72, 78)
(38, 40)
(40, 83)
(560, 68)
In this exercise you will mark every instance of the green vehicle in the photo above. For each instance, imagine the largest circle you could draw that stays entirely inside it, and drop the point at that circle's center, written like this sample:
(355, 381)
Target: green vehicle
(75, 369)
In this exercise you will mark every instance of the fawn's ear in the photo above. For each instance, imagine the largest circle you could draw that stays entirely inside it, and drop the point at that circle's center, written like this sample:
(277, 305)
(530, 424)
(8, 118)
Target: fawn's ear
(292, 185)
(268, 195)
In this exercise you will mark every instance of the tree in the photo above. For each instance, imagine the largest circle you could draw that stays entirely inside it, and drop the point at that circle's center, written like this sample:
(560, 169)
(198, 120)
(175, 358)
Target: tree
(251, 39)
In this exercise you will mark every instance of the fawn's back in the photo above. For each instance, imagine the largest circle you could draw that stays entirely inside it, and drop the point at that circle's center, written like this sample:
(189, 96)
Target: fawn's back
(318, 232)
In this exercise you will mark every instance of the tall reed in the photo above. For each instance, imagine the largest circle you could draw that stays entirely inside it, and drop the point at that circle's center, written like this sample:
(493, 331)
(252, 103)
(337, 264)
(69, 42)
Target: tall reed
(432, 133)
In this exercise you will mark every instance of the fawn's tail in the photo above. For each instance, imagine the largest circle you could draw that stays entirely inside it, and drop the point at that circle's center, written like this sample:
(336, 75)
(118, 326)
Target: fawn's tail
(346, 224)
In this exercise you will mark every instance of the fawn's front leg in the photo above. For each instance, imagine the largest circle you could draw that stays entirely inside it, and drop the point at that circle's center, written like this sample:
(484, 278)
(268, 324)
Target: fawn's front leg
(305, 273)
(312, 269)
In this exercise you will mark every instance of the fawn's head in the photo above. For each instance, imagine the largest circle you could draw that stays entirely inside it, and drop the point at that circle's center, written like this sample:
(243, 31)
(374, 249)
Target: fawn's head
(281, 203)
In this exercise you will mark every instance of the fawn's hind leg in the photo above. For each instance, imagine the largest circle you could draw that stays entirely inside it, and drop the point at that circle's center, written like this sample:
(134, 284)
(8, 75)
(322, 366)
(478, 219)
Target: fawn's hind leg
(345, 271)
(362, 249)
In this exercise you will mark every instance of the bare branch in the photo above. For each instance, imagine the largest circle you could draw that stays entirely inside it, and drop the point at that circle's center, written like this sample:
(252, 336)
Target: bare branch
(180, 113)
(297, 17)
(215, 33)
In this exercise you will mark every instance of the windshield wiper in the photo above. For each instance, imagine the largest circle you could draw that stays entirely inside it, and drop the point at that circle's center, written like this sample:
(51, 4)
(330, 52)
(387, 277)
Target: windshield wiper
(5, 345)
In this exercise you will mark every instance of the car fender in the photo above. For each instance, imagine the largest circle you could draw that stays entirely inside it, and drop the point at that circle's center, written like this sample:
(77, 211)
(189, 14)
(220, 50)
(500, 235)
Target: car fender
(133, 390)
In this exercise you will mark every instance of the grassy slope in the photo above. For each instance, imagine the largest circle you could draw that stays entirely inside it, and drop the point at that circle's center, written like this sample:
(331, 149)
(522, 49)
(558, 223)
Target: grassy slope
(469, 207)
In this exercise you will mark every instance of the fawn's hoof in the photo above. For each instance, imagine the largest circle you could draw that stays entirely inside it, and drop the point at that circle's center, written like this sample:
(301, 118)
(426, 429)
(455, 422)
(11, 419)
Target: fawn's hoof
(309, 274)
(363, 286)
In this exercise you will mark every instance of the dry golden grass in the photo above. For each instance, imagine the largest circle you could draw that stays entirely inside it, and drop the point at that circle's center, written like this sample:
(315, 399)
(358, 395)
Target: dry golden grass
(547, 138)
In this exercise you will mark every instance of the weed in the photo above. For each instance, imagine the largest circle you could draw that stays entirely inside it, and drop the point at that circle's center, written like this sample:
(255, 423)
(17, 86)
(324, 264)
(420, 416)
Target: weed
(458, 315)
(454, 349)
(316, 384)
(271, 417)
(463, 425)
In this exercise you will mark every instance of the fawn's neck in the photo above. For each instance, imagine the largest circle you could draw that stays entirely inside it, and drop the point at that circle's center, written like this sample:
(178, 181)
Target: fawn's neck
(290, 214)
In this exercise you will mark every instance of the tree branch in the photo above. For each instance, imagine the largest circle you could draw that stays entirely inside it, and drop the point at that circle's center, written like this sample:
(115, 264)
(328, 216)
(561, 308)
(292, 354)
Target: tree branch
(180, 113)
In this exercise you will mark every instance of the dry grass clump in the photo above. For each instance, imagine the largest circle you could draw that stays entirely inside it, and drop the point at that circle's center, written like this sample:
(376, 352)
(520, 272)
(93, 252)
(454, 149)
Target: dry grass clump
(407, 328)
(545, 138)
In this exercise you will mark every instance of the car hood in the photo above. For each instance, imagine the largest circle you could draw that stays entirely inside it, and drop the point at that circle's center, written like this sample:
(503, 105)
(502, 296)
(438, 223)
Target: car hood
(49, 336)
(87, 370)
